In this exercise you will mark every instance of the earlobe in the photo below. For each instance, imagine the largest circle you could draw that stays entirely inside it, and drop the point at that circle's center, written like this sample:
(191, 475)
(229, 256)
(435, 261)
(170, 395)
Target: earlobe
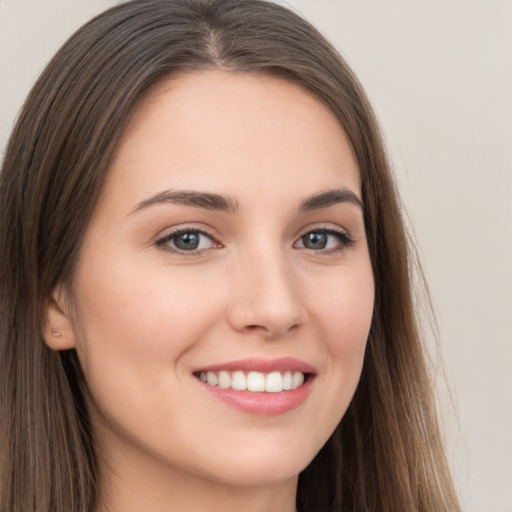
(58, 331)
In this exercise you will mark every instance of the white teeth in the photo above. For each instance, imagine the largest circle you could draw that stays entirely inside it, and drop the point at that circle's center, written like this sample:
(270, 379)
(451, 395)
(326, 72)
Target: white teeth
(255, 381)
(224, 380)
(238, 381)
(287, 381)
(212, 379)
(297, 380)
(273, 382)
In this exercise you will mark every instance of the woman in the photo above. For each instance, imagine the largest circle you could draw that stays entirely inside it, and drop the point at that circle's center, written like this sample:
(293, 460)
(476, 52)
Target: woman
(205, 293)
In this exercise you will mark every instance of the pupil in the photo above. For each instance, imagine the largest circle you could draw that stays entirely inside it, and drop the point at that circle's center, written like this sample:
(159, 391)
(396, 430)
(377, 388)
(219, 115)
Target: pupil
(187, 241)
(315, 240)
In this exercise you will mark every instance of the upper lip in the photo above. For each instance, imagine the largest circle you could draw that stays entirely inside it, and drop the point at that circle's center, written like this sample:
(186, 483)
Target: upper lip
(281, 364)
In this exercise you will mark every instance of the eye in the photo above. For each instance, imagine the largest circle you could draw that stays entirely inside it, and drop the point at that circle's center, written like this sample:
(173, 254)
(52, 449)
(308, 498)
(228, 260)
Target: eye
(328, 240)
(186, 240)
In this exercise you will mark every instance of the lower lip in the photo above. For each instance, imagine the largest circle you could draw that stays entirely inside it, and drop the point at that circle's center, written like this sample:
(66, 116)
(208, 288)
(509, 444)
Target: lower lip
(262, 404)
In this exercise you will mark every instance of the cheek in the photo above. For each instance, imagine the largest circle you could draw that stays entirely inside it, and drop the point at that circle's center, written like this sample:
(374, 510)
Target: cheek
(130, 321)
(136, 329)
(343, 314)
(345, 311)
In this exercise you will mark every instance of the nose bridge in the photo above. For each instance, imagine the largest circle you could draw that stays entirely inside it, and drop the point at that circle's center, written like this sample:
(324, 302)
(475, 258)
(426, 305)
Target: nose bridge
(266, 294)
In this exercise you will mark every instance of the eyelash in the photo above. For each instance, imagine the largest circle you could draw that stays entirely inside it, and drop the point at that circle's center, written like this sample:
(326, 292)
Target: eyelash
(345, 241)
(163, 242)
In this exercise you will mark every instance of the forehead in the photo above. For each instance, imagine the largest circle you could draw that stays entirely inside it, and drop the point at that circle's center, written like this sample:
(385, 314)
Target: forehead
(219, 129)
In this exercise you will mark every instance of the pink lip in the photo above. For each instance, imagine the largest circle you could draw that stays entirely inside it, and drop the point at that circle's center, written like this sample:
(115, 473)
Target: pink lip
(282, 364)
(262, 404)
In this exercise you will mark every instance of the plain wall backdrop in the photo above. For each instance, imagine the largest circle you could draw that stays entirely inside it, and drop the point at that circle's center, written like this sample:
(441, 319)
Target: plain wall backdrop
(440, 77)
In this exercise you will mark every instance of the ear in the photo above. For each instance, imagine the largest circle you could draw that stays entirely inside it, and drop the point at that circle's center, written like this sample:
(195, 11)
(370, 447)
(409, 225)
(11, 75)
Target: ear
(58, 330)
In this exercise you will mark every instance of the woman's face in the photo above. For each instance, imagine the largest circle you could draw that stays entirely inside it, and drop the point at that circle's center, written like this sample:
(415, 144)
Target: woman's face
(228, 245)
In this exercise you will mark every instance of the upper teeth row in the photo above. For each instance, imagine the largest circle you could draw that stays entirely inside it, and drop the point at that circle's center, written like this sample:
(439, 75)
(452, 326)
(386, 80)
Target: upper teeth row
(273, 382)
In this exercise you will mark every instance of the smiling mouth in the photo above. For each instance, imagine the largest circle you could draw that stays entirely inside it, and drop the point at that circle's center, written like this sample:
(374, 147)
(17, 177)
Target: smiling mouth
(253, 381)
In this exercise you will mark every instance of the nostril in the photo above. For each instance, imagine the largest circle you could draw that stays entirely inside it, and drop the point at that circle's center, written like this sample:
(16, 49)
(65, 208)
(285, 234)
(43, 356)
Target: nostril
(257, 328)
(271, 331)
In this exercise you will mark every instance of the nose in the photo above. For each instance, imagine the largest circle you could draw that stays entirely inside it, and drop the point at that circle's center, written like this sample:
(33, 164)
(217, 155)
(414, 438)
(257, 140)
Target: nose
(265, 297)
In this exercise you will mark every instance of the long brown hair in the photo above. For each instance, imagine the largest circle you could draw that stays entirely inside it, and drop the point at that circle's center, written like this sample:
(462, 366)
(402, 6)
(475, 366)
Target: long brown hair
(386, 454)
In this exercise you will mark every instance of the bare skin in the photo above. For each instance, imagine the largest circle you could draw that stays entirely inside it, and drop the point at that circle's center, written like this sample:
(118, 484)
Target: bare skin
(230, 228)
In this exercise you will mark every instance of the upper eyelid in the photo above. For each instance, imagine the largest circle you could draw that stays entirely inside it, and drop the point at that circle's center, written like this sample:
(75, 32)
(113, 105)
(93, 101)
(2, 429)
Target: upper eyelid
(209, 231)
(330, 231)
(170, 232)
(328, 228)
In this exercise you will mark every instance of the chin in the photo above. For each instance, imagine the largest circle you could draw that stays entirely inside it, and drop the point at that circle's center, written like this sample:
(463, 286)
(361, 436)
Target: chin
(260, 466)
(258, 474)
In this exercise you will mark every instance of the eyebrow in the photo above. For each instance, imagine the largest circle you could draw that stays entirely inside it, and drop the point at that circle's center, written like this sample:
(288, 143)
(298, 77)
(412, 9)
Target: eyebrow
(330, 198)
(189, 198)
(209, 201)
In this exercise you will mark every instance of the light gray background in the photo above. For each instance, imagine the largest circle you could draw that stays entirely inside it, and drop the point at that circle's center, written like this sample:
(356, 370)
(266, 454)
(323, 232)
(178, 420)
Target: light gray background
(439, 74)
